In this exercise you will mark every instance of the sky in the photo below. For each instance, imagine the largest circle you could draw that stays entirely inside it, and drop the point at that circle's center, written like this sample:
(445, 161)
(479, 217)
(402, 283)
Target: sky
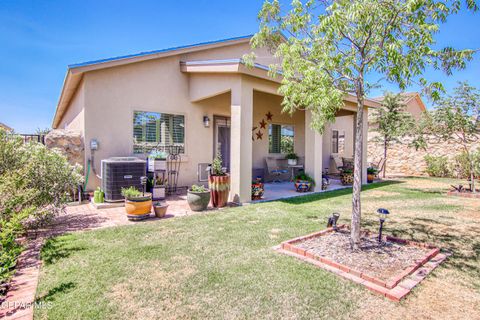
(39, 39)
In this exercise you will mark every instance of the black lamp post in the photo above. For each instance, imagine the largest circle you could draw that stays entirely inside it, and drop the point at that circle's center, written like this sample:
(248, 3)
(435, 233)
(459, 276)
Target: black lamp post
(143, 182)
(382, 214)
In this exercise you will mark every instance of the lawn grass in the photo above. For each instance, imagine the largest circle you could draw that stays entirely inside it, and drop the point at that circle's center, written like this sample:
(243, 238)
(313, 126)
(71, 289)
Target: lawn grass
(221, 264)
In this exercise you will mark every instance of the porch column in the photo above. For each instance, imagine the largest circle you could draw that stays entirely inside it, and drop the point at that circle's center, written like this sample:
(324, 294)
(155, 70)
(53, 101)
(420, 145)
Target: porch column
(365, 146)
(241, 142)
(313, 152)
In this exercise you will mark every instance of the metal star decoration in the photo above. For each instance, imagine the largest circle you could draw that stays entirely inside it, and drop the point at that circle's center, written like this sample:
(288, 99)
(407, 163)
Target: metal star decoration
(259, 135)
(269, 116)
(263, 124)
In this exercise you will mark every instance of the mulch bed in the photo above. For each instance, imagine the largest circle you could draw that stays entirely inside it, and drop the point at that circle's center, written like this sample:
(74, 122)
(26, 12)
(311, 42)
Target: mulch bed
(382, 260)
(464, 194)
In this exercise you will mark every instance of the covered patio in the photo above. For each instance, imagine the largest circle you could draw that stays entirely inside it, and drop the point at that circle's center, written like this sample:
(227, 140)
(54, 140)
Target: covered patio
(247, 101)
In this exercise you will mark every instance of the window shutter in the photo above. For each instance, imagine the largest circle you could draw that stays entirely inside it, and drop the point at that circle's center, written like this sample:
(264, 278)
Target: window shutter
(275, 137)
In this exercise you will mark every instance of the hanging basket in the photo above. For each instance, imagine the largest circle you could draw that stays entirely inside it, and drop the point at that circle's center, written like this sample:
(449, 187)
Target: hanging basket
(219, 188)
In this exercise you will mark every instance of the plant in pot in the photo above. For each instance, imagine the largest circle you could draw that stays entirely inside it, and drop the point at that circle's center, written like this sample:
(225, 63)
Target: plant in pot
(157, 160)
(198, 198)
(160, 209)
(138, 205)
(346, 177)
(257, 189)
(219, 183)
(98, 196)
(371, 173)
(292, 159)
(303, 182)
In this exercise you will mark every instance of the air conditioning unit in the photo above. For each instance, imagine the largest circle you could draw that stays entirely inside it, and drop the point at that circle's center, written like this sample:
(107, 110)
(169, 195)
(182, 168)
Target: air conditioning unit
(121, 172)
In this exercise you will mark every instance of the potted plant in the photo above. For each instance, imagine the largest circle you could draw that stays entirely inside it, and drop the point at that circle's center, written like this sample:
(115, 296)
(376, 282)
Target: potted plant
(198, 198)
(219, 183)
(303, 182)
(160, 209)
(158, 185)
(371, 173)
(138, 205)
(157, 160)
(346, 177)
(292, 159)
(257, 189)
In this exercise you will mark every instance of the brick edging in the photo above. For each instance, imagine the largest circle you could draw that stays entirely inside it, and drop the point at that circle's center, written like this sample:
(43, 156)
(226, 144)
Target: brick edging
(392, 288)
(470, 195)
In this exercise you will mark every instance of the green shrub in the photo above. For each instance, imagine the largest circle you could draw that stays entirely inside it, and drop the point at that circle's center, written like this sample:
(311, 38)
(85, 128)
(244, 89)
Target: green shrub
(131, 192)
(462, 164)
(196, 188)
(35, 184)
(217, 167)
(305, 177)
(437, 166)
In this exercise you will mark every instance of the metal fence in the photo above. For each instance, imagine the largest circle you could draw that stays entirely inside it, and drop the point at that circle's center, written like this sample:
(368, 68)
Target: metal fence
(33, 138)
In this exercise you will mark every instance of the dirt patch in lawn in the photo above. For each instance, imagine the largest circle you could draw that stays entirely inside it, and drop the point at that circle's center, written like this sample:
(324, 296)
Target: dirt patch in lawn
(381, 260)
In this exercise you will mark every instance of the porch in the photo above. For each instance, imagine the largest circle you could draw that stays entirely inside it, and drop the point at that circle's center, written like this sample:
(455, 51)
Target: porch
(246, 110)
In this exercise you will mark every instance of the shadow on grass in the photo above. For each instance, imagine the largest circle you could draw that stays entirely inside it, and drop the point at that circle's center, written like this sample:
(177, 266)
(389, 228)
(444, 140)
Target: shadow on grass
(52, 293)
(462, 243)
(57, 248)
(336, 193)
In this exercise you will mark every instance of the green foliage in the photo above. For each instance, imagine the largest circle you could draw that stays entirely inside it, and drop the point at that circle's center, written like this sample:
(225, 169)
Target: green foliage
(197, 188)
(217, 165)
(158, 155)
(291, 156)
(304, 177)
(462, 164)
(332, 45)
(391, 120)
(34, 185)
(372, 170)
(437, 166)
(131, 192)
(456, 119)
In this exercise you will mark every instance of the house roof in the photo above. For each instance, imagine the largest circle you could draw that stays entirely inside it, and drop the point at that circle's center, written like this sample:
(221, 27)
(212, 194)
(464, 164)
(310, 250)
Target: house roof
(408, 96)
(75, 71)
(5, 127)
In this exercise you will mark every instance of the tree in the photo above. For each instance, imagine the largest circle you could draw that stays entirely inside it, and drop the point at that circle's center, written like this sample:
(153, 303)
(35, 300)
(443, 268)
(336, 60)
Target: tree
(332, 47)
(391, 122)
(456, 119)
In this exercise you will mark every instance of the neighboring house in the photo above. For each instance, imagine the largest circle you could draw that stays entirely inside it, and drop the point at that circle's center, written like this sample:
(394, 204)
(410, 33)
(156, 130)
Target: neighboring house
(203, 99)
(413, 101)
(5, 127)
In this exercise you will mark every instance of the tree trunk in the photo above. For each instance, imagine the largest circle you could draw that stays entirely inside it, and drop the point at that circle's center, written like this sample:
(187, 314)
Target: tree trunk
(357, 172)
(472, 175)
(384, 169)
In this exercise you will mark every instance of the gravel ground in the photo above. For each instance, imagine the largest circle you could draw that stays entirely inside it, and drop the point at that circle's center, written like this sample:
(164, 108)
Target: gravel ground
(381, 260)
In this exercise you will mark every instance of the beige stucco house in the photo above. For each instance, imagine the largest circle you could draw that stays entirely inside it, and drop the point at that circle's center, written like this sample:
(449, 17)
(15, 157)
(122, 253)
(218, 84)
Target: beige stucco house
(201, 98)
(413, 101)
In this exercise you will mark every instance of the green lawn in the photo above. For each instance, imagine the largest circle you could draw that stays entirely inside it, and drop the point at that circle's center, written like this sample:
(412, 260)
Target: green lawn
(221, 264)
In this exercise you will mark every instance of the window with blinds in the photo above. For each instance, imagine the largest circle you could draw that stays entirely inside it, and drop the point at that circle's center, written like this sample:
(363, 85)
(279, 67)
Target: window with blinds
(153, 130)
(338, 142)
(281, 138)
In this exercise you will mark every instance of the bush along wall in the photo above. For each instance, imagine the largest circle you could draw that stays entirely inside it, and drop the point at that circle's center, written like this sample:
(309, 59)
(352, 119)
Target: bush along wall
(404, 160)
(35, 183)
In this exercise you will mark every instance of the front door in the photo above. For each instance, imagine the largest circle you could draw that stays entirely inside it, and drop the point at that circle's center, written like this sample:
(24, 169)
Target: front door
(222, 140)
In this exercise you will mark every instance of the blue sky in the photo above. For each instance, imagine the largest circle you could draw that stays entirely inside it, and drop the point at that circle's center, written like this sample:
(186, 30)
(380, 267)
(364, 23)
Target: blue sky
(40, 38)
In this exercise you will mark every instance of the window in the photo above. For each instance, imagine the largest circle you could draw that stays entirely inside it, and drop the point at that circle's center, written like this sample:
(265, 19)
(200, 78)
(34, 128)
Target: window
(281, 138)
(156, 130)
(338, 142)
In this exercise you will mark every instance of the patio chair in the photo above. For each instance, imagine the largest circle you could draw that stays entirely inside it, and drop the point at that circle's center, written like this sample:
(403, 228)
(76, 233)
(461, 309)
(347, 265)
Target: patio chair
(274, 170)
(337, 164)
(348, 163)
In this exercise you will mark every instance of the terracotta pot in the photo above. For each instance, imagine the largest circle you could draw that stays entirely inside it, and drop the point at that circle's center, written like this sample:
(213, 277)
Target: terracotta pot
(219, 188)
(198, 201)
(160, 210)
(370, 178)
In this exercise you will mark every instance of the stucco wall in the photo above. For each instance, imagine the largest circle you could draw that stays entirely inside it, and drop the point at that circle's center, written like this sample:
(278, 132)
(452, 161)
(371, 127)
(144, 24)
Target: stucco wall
(343, 123)
(74, 118)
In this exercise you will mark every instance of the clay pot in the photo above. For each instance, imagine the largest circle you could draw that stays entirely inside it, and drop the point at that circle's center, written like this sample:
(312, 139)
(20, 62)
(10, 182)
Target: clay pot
(219, 189)
(138, 208)
(370, 178)
(160, 210)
